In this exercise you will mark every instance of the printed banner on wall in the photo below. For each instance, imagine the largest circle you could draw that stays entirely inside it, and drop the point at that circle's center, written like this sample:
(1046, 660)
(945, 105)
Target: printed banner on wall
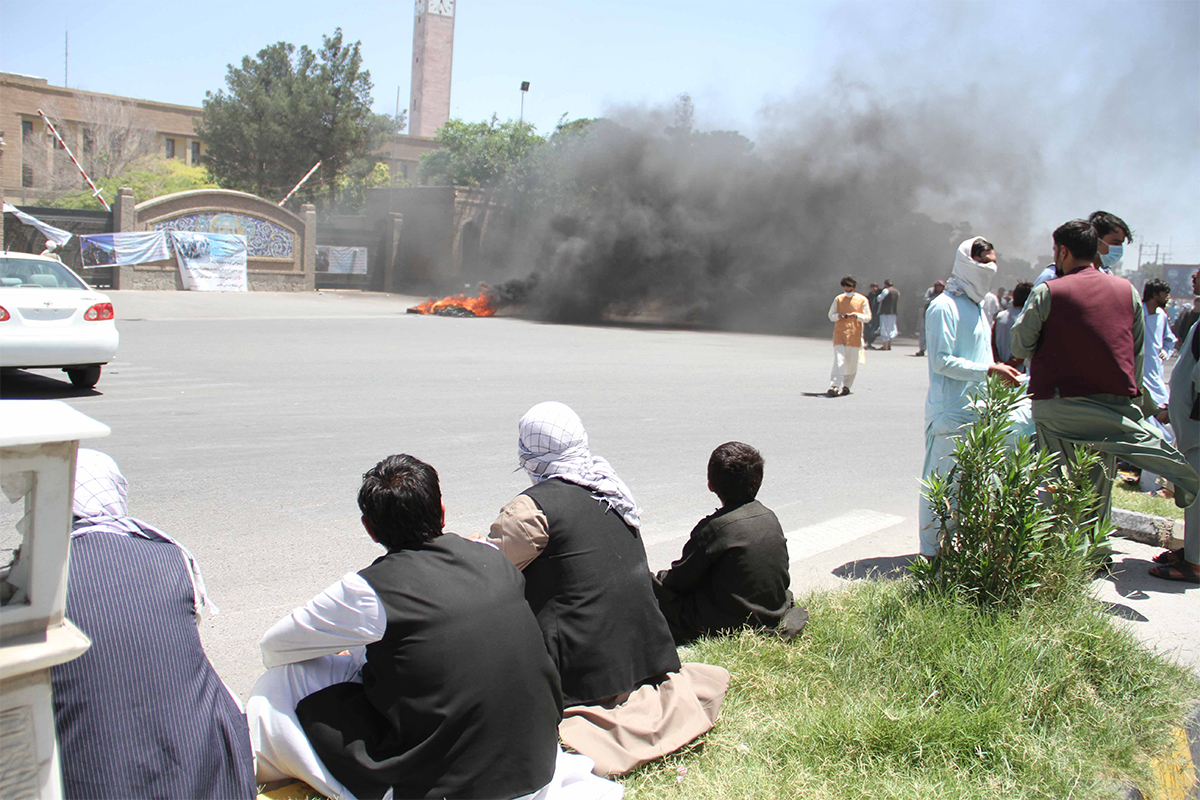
(343, 260)
(108, 249)
(211, 262)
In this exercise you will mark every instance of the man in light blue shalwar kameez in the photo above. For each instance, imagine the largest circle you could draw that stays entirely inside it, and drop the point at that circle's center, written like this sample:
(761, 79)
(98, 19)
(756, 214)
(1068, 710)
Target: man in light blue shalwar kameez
(958, 343)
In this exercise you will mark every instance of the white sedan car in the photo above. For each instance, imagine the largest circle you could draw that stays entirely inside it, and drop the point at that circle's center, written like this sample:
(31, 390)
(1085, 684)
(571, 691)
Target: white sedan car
(49, 317)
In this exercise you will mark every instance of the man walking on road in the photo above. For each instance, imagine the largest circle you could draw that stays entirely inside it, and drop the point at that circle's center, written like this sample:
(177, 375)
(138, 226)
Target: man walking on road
(889, 299)
(1085, 335)
(848, 311)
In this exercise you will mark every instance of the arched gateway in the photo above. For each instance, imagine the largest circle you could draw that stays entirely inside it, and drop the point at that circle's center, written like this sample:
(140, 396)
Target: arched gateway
(281, 245)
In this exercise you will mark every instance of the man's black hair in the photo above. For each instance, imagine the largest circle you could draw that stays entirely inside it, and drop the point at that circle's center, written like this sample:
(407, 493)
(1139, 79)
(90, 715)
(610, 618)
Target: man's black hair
(1021, 293)
(735, 471)
(979, 247)
(849, 279)
(1105, 223)
(1079, 237)
(401, 500)
(887, 282)
(1153, 287)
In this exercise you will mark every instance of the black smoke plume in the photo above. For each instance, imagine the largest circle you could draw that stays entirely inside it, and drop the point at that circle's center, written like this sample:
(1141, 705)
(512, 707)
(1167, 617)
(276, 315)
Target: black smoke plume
(642, 215)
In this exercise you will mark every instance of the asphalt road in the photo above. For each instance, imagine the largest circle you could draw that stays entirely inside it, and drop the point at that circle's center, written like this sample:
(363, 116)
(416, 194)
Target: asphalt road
(244, 422)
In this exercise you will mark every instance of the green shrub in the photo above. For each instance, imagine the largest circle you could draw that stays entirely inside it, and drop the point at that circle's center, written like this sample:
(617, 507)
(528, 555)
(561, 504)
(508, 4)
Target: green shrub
(1012, 522)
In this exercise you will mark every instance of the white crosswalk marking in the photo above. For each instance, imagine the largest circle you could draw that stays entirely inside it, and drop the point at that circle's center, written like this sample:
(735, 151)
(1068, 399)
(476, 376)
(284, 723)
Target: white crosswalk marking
(812, 540)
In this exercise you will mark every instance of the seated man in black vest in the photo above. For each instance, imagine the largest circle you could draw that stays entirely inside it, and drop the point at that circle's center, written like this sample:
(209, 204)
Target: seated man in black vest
(576, 535)
(446, 690)
(734, 568)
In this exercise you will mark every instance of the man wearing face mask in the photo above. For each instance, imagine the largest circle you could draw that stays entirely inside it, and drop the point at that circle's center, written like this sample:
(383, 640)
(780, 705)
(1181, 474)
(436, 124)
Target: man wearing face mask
(1110, 248)
(848, 311)
(1085, 334)
(960, 357)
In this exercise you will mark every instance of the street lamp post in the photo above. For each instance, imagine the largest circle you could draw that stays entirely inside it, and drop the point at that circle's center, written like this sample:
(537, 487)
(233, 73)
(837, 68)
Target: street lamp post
(524, 90)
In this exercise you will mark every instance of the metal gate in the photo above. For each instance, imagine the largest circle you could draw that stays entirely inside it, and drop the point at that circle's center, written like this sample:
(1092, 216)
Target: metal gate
(22, 238)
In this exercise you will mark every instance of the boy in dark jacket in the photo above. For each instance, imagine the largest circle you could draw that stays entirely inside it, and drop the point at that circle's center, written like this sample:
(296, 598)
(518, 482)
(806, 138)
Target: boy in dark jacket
(734, 569)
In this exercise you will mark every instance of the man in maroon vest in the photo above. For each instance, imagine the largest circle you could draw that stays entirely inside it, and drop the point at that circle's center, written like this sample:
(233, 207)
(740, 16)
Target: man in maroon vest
(1084, 333)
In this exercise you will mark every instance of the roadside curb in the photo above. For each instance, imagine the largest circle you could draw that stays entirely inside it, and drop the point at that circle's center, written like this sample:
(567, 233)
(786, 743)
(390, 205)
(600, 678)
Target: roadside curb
(1148, 529)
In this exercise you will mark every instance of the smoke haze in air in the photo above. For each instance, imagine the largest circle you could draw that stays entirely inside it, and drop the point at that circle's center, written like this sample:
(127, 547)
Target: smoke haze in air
(940, 122)
(651, 216)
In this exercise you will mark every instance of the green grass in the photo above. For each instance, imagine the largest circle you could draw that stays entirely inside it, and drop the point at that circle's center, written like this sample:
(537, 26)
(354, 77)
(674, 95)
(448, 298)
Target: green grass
(887, 695)
(1130, 498)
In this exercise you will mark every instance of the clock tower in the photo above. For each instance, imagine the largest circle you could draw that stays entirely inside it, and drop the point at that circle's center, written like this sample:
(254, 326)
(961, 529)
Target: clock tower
(433, 54)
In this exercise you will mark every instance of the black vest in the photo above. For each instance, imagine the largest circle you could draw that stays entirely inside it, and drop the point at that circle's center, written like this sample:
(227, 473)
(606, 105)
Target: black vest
(458, 699)
(592, 594)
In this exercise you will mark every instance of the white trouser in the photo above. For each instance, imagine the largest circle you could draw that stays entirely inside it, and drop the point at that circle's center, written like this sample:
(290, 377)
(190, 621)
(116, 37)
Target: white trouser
(282, 749)
(845, 366)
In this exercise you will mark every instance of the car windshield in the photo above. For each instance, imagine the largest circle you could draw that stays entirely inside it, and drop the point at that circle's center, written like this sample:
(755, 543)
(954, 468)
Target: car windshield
(34, 273)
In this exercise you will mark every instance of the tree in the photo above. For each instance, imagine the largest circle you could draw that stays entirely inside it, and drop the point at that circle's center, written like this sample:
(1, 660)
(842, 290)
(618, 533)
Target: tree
(149, 177)
(108, 135)
(479, 153)
(287, 109)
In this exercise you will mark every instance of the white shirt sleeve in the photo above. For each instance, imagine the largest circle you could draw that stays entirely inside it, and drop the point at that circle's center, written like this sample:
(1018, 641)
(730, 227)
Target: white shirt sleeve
(346, 615)
(833, 312)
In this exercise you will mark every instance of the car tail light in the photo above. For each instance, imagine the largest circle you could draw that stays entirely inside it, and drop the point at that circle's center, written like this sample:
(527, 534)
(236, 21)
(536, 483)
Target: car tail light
(99, 312)
(3, 314)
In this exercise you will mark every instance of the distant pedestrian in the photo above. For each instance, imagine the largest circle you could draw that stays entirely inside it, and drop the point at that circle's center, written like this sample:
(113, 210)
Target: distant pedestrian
(1160, 343)
(1187, 319)
(848, 312)
(991, 307)
(1002, 329)
(889, 300)
(930, 293)
(871, 329)
(1084, 332)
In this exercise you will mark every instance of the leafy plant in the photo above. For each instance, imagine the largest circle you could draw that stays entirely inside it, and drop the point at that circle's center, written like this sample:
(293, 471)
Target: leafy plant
(1013, 522)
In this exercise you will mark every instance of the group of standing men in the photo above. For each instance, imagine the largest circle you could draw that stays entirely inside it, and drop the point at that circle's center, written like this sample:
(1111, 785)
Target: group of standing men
(1092, 347)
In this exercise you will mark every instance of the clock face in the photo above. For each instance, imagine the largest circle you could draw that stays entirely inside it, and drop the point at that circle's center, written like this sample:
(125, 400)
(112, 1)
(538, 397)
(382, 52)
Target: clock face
(443, 7)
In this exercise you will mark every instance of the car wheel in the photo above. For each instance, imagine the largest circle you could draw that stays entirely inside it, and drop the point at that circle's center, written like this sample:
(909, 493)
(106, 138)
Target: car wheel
(84, 377)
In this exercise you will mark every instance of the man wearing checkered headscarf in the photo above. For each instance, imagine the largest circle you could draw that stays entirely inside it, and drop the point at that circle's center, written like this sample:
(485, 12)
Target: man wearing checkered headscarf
(575, 536)
(553, 444)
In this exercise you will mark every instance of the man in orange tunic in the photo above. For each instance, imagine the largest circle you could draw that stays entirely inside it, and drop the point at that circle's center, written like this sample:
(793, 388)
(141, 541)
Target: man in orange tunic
(848, 311)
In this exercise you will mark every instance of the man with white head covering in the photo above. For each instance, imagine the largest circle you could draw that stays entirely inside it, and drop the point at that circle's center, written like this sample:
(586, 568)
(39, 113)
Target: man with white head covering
(142, 713)
(1084, 333)
(960, 357)
(575, 535)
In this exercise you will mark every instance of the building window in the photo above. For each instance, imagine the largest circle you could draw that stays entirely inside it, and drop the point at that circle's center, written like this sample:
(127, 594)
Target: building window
(195, 154)
(26, 130)
(89, 141)
(170, 148)
(26, 176)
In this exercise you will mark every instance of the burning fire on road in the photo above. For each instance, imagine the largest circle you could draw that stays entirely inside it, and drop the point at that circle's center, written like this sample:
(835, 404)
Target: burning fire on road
(458, 305)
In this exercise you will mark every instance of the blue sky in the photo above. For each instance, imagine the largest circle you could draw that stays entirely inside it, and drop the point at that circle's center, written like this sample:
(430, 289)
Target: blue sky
(1099, 101)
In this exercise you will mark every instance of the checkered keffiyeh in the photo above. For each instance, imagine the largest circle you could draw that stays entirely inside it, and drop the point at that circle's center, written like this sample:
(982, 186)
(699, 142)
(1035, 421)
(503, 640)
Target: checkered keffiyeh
(101, 506)
(553, 444)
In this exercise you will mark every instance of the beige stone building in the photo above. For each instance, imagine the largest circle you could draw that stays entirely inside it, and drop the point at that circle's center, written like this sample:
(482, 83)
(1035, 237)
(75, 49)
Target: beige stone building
(105, 132)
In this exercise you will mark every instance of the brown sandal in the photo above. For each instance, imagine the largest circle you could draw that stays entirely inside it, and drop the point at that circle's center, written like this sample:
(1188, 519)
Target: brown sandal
(1176, 572)
(1169, 556)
